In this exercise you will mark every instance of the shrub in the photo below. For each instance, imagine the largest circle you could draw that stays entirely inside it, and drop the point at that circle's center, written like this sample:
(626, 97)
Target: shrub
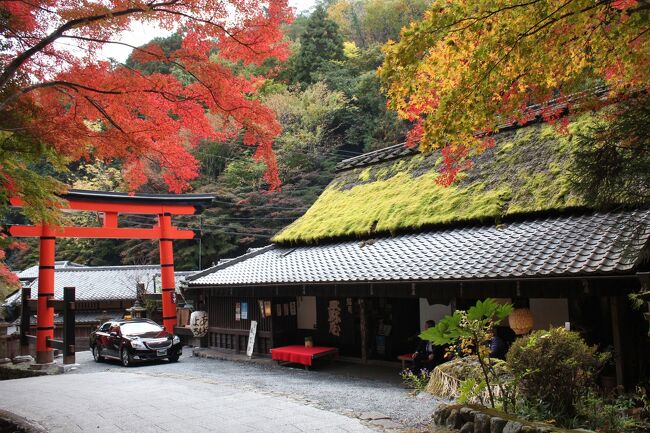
(417, 381)
(553, 368)
(606, 416)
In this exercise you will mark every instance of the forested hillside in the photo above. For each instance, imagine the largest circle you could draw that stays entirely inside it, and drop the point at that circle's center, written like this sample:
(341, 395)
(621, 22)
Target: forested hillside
(328, 100)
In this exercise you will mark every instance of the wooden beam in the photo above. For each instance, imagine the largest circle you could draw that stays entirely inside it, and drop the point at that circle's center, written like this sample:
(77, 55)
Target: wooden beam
(616, 337)
(364, 329)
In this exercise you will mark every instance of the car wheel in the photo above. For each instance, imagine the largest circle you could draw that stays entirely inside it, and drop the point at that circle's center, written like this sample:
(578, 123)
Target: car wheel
(96, 355)
(125, 356)
(174, 358)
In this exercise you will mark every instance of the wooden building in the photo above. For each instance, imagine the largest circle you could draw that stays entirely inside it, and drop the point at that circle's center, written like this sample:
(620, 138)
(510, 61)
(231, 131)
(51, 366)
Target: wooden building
(102, 293)
(386, 248)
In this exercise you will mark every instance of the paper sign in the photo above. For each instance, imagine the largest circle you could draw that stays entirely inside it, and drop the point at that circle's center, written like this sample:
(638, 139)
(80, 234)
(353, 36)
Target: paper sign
(251, 338)
(237, 311)
(244, 310)
(261, 305)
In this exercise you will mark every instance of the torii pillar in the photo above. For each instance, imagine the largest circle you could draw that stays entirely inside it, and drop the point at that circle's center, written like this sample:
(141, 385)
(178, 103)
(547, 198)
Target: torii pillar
(166, 249)
(111, 205)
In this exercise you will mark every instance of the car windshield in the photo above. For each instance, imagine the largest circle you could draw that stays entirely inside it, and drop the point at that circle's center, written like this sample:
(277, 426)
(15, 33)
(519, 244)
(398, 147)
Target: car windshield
(137, 328)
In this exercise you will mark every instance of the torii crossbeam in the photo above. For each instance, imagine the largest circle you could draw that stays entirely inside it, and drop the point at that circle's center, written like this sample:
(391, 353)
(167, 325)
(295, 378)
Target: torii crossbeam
(110, 205)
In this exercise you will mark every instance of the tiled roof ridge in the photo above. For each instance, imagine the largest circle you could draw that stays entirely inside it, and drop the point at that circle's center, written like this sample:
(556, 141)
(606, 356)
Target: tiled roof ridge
(400, 150)
(106, 268)
(568, 212)
(230, 262)
(569, 246)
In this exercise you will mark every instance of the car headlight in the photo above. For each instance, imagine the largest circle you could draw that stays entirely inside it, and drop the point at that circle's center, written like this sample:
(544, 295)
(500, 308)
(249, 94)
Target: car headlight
(137, 344)
(176, 340)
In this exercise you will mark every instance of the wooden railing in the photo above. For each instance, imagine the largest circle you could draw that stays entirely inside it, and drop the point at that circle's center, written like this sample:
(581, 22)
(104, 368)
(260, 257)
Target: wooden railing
(68, 306)
(237, 340)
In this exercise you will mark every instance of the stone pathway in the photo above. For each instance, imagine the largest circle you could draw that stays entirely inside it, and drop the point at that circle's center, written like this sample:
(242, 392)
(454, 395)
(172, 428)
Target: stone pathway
(198, 394)
(142, 403)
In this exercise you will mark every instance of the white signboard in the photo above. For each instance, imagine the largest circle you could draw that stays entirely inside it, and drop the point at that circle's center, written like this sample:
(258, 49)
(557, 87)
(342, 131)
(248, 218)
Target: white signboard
(251, 338)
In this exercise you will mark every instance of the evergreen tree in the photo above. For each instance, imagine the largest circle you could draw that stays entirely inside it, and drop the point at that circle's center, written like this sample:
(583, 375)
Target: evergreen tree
(320, 43)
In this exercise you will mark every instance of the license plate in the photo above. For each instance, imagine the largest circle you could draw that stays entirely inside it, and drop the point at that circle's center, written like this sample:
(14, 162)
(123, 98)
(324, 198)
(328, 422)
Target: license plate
(162, 352)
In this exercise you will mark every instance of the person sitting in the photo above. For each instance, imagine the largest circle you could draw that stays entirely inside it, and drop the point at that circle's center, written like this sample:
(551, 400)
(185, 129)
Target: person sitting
(498, 344)
(427, 355)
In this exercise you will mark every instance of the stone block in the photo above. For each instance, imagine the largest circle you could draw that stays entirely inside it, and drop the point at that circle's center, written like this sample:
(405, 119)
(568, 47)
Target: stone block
(369, 416)
(497, 424)
(454, 420)
(481, 423)
(467, 414)
(440, 414)
(512, 427)
(22, 358)
(468, 427)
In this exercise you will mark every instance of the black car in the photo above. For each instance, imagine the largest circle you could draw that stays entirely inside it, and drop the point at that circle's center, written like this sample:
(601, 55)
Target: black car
(134, 340)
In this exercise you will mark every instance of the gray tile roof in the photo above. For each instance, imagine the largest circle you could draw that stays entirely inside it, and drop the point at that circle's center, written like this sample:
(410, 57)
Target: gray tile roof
(386, 154)
(32, 271)
(94, 283)
(600, 243)
(83, 317)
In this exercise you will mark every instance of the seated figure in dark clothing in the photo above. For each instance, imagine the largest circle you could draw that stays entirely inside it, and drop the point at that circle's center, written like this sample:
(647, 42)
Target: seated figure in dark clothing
(499, 343)
(427, 355)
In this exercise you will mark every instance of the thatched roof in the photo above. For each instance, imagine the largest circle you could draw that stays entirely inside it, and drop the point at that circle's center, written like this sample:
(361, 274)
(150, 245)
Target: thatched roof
(394, 190)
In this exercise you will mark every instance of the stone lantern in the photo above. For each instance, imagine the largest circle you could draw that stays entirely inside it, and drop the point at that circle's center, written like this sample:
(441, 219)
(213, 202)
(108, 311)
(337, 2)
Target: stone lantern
(137, 310)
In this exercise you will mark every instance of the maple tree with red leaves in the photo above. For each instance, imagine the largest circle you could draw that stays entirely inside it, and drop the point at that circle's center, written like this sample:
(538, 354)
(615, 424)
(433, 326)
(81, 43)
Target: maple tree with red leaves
(60, 102)
(91, 108)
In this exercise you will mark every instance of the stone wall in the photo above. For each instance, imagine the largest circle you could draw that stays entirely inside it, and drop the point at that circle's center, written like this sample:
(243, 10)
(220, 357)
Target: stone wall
(475, 419)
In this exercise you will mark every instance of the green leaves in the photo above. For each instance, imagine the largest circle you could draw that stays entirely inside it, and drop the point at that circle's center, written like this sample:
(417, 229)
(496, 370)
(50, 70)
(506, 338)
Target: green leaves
(467, 324)
(447, 330)
(490, 310)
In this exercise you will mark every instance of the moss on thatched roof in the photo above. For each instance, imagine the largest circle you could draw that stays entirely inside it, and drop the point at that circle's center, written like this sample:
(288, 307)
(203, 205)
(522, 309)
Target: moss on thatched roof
(526, 172)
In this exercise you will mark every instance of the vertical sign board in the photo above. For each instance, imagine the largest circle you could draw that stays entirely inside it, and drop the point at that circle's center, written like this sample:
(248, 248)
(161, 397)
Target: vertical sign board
(251, 338)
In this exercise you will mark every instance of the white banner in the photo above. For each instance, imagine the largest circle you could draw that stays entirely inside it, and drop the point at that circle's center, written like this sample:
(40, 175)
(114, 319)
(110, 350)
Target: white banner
(251, 338)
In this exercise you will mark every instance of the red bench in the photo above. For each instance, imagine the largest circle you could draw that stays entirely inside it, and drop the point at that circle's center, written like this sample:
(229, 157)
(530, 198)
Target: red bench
(407, 357)
(302, 355)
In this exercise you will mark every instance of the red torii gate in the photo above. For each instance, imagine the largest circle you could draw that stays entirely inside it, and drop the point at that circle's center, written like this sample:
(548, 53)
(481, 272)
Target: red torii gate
(111, 204)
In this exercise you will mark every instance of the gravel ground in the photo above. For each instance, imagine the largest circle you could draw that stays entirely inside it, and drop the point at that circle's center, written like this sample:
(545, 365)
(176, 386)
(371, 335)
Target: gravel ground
(349, 389)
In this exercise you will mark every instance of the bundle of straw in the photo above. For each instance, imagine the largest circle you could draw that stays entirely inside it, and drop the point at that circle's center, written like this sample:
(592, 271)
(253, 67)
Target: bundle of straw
(446, 379)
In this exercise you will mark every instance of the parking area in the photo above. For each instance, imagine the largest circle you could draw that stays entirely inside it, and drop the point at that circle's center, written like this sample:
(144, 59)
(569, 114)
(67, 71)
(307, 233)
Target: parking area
(198, 395)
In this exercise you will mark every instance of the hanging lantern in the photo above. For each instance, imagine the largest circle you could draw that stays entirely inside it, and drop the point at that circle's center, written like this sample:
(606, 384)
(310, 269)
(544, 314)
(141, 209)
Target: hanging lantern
(199, 323)
(521, 321)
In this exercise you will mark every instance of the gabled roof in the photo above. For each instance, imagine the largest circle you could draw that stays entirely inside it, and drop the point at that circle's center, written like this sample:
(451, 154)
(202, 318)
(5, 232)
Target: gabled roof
(95, 283)
(394, 190)
(561, 246)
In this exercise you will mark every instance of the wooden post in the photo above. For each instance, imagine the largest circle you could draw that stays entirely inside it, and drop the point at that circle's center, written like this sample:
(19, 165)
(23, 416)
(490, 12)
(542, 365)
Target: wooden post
(363, 319)
(25, 315)
(44, 311)
(167, 272)
(69, 325)
(616, 337)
